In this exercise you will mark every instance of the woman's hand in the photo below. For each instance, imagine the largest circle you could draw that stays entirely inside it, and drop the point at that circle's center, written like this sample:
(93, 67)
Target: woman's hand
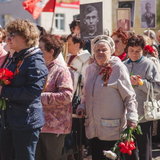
(131, 124)
(80, 112)
(134, 80)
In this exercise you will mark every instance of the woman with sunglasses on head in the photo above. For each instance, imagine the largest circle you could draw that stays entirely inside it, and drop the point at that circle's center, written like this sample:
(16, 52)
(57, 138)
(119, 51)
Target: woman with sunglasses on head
(106, 77)
(24, 114)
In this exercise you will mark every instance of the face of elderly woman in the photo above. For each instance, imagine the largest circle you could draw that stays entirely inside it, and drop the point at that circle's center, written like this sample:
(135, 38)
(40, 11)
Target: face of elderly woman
(102, 53)
(15, 42)
(135, 52)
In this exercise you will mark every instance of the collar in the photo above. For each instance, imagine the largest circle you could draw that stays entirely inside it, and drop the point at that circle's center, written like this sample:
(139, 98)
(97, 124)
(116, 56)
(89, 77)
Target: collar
(122, 56)
(20, 53)
(23, 53)
(137, 61)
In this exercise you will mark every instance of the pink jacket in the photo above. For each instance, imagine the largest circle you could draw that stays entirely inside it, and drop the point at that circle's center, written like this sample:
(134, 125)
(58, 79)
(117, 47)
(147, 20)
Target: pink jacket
(56, 99)
(3, 54)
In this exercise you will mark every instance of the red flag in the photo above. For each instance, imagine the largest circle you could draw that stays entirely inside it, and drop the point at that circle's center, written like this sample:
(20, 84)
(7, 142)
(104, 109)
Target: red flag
(50, 6)
(35, 7)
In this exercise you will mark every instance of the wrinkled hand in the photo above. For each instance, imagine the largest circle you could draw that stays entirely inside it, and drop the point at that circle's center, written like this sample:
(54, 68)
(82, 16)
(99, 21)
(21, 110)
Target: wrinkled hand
(80, 112)
(131, 124)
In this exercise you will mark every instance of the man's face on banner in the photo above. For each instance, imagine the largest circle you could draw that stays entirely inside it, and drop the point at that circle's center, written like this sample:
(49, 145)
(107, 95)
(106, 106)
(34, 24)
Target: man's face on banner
(91, 19)
(148, 7)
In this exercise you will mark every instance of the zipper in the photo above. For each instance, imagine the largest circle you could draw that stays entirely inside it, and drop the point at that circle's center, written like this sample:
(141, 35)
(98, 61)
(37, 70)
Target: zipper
(93, 104)
(131, 68)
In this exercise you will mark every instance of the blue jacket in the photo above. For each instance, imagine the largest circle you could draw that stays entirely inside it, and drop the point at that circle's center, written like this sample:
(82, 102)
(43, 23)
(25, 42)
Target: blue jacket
(24, 109)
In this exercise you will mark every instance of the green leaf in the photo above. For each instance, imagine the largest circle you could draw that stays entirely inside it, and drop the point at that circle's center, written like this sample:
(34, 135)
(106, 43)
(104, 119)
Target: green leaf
(3, 105)
(131, 74)
(138, 130)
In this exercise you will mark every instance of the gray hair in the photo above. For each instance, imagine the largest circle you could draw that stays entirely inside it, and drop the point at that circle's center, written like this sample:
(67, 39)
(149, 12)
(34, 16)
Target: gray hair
(150, 33)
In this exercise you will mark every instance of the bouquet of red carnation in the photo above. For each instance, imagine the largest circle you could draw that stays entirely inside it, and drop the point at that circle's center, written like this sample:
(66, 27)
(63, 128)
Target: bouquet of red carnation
(5, 79)
(125, 145)
(5, 76)
(149, 49)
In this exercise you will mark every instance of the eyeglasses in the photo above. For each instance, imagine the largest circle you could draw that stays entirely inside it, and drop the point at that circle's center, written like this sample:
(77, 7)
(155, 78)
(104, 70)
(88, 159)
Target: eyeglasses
(116, 41)
(101, 50)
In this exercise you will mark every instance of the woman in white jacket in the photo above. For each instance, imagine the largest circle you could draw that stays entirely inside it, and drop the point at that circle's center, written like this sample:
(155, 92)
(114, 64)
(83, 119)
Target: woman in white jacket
(108, 100)
(77, 58)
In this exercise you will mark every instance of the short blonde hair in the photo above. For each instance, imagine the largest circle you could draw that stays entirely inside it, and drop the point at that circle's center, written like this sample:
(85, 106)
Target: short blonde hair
(26, 29)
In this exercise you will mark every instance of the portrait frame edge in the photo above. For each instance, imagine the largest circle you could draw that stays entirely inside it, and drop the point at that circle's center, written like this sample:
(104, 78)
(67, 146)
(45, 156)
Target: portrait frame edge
(118, 17)
(155, 12)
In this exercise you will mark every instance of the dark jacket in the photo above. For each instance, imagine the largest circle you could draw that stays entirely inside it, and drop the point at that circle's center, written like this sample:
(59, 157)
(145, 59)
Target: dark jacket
(23, 94)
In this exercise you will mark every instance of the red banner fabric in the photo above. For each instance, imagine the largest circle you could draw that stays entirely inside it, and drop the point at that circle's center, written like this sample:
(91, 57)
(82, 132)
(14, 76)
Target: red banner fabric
(50, 6)
(63, 4)
(35, 7)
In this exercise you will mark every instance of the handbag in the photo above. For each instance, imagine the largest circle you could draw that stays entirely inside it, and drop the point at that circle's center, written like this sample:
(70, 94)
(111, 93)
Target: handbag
(76, 97)
(151, 106)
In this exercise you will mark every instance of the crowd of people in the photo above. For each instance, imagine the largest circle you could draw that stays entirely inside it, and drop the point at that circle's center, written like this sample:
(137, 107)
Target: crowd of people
(70, 96)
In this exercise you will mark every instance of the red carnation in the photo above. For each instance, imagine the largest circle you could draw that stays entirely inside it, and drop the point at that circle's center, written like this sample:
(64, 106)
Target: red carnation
(149, 49)
(126, 147)
(5, 76)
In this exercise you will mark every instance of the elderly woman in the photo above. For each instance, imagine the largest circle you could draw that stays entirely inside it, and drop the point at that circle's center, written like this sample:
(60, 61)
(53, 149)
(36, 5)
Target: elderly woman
(151, 52)
(108, 94)
(140, 66)
(120, 38)
(56, 99)
(152, 35)
(24, 111)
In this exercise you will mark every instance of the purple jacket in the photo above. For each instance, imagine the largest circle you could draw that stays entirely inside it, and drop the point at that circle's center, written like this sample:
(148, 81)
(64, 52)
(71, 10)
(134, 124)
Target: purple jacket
(56, 99)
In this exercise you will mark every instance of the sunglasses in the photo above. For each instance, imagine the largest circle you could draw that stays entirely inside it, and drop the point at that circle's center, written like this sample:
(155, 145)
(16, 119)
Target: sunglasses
(10, 36)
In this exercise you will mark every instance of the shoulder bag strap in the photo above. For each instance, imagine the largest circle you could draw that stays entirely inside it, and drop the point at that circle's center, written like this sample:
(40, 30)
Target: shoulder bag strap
(148, 93)
(78, 88)
(152, 95)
